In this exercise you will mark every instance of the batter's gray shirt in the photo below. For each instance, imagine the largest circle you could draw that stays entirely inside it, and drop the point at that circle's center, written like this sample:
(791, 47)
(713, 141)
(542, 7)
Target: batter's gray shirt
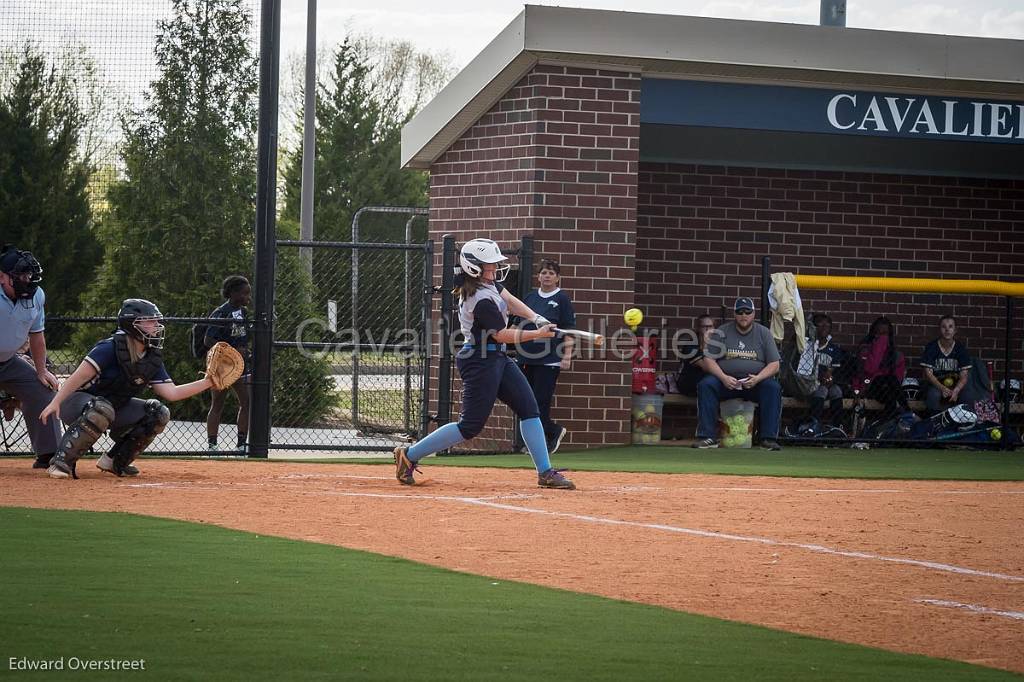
(741, 354)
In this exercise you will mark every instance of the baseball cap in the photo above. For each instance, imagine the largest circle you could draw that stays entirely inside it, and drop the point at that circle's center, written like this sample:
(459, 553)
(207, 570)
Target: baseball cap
(743, 303)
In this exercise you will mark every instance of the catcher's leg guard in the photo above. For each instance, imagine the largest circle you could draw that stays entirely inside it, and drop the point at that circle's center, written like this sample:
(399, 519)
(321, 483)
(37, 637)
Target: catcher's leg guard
(127, 448)
(96, 417)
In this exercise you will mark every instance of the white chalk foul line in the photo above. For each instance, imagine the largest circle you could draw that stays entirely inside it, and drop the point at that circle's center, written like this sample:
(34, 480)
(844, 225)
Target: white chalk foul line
(820, 549)
(484, 502)
(973, 608)
(874, 491)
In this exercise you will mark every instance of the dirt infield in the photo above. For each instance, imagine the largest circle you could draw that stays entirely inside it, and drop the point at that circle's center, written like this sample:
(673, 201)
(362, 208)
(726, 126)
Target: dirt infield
(934, 568)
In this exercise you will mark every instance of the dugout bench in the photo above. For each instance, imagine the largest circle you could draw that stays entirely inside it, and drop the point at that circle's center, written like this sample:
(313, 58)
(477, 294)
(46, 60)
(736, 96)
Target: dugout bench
(677, 401)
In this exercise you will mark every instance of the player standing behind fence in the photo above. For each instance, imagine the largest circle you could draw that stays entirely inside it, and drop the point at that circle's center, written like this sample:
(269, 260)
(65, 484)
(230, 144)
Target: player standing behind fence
(487, 373)
(238, 293)
(543, 361)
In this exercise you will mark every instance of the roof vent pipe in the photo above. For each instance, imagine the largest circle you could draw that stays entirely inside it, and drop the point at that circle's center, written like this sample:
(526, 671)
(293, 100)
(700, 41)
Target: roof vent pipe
(833, 13)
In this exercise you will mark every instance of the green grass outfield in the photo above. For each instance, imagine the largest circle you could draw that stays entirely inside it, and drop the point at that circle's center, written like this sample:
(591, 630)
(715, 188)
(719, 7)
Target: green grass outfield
(203, 602)
(966, 465)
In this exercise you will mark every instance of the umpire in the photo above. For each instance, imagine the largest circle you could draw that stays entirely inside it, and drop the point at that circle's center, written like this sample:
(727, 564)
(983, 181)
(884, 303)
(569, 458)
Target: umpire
(22, 320)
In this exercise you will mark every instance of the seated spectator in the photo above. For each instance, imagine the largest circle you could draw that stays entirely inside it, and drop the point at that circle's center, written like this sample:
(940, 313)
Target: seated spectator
(946, 367)
(881, 368)
(741, 360)
(690, 371)
(827, 400)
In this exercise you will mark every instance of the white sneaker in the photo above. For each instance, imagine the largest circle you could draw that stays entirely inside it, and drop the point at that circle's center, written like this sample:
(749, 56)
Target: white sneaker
(55, 472)
(105, 463)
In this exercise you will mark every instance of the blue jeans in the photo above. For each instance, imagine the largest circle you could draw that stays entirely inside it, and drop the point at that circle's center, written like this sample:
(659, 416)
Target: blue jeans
(767, 394)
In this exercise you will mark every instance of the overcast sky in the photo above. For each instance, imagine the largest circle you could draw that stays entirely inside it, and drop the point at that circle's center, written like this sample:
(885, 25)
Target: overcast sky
(464, 27)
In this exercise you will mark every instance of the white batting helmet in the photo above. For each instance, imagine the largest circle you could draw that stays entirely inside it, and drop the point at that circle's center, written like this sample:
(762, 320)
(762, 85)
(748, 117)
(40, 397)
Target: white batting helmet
(477, 252)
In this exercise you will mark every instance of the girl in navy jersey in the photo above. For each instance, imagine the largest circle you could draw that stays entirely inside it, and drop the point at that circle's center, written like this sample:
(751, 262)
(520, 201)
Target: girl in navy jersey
(487, 373)
(238, 295)
(543, 361)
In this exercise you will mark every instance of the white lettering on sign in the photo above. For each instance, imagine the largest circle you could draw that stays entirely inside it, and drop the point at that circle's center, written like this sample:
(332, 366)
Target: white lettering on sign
(833, 104)
(918, 116)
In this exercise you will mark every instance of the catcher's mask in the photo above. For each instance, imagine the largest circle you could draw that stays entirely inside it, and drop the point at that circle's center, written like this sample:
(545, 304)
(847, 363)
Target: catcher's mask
(478, 252)
(135, 318)
(24, 271)
(911, 388)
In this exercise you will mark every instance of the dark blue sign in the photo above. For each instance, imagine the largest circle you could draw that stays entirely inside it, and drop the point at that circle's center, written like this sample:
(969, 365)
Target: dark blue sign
(841, 112)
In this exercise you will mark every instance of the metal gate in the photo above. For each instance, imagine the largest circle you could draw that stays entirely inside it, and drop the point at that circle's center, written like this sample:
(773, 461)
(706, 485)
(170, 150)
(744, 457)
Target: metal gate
(351, 355)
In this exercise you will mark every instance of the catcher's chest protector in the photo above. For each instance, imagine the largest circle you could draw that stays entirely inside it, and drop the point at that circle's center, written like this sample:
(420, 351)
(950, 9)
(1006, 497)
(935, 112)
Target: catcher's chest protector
(133, 378)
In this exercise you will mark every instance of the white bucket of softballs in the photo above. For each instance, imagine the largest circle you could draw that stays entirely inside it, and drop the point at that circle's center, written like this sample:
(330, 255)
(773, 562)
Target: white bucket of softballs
(646, 421)
(737, 423)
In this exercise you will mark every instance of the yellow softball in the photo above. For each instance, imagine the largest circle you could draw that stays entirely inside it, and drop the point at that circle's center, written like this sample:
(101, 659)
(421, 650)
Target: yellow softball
(633, 317)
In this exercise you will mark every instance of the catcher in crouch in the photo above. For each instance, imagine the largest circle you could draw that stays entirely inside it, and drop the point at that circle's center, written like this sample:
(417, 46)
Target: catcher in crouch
(101, 393)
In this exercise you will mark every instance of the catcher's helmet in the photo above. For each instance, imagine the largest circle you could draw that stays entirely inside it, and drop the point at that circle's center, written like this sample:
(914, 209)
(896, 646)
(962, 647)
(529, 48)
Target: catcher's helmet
(1015, 390)
(476, 253)
(23, 269)
(133, 312)
(911, 388)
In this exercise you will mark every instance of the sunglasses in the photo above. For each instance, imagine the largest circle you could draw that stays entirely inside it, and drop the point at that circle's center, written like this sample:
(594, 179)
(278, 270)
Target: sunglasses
(744, 311)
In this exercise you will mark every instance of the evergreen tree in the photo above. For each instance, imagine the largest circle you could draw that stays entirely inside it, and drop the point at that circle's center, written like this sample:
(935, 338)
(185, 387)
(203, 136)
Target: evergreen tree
(359, 121)
(182, 218)
(44, 175)
(359, 128)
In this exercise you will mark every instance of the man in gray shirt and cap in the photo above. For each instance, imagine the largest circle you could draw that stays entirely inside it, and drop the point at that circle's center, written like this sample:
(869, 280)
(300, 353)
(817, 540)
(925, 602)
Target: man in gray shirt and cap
(741, 360)
(22, 321)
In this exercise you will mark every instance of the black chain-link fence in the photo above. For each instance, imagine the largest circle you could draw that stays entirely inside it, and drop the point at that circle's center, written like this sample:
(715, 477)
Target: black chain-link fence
(350, 372)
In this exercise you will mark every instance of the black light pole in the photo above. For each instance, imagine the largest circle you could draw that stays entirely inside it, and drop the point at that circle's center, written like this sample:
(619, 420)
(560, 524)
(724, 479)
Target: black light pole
(266, 227)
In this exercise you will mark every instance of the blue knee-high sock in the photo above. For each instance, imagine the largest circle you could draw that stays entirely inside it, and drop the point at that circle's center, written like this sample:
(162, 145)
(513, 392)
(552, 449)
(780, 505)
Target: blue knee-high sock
(533, 436)
(441, 439)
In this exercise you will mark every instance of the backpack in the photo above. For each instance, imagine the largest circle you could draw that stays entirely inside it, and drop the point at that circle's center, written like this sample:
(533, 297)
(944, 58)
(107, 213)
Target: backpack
(197, 340)
(794, 382)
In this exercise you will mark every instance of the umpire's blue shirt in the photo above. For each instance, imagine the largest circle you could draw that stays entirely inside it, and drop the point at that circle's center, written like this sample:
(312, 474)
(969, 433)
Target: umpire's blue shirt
(18, 320)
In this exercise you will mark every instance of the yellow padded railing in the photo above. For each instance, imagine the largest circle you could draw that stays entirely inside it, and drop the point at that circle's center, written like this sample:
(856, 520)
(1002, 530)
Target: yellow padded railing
(930, 286)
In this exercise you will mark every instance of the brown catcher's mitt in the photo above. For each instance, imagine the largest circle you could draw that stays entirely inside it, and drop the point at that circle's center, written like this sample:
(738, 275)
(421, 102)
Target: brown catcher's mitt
(224, 365)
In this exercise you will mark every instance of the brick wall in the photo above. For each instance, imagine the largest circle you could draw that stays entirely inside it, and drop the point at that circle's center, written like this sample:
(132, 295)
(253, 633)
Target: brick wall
(557, 158)
(702, 231)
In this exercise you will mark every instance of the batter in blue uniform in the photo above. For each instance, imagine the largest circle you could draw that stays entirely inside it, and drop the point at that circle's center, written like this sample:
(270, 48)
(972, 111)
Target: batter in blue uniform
(487, 373)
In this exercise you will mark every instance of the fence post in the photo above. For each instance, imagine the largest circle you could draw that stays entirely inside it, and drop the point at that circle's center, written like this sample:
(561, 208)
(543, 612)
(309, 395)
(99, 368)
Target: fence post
(524, 285)
(266, 228)
(444, 369)
(1006, 445)
(427, 325)
(525, 266)
(766, 281)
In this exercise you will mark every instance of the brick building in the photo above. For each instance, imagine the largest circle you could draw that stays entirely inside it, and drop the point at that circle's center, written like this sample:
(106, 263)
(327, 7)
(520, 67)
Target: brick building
(659, 158)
